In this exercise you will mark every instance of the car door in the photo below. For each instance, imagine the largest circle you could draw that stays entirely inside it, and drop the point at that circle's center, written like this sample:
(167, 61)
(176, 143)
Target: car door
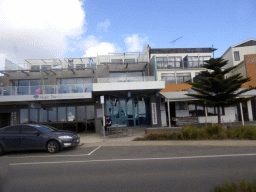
(32, 138)
(11, 137)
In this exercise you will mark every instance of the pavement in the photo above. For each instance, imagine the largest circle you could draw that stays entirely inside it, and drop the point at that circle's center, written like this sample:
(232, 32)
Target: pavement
(97, 139)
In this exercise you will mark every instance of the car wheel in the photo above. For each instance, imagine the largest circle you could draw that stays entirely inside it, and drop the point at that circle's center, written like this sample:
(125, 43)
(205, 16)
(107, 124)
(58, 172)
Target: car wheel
(1, 150)
(53, 147)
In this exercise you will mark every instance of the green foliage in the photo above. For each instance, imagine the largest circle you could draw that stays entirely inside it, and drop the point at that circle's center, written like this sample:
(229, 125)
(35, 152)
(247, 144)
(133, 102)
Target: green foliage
(236, 187)
(244, 132)
(210, 132)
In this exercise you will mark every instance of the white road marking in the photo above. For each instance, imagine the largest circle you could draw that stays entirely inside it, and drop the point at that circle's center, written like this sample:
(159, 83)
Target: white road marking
(139, 159)
(58, 155)
(94, 150)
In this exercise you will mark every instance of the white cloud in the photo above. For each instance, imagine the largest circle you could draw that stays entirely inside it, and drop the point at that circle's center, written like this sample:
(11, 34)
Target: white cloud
(135, 43)
(38, 29)
(91, 46)
(103, 25)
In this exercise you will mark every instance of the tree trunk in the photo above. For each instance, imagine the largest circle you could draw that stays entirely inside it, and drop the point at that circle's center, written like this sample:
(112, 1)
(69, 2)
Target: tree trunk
(219, 119)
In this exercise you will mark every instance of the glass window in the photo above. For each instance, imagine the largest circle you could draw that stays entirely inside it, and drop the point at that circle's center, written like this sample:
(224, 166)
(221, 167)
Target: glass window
(90, 112)
(80, 113)
(42, 115)
(193, 61)
(12, 130)
(80, 66)
(35, 67)
(52, 114)
(46, 67)
(129, 60)
(183, 77)
(174, 62)
(62, 114)
(33, 115)
(28, 129)
(24, 116)
(116, 60)
(169, 78)
(202, 60)
(70, 63)
(236, 55)
(71, 113)
(74, 81)
(162, 62)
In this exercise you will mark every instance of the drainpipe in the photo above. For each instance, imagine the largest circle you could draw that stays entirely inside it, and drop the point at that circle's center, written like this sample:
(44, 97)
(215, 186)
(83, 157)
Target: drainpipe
(169, 115)
(242, 115)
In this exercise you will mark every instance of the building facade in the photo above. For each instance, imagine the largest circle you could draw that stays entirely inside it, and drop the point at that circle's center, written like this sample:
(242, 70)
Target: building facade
(66, 93)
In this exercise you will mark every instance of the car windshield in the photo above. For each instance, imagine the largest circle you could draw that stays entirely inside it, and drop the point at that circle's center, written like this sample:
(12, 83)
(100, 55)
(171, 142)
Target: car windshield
(46, 128)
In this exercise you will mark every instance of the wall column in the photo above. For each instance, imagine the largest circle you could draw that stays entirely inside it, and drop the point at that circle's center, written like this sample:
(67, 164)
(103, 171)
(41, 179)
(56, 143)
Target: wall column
(249, 107)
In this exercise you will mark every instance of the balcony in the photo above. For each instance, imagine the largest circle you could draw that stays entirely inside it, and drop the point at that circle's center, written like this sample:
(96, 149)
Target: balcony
(128, 83)
(46, 92)
(180, 65)
(125, 79)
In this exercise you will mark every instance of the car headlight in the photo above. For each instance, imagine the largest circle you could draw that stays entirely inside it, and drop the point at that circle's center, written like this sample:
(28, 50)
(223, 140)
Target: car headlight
(65, 137)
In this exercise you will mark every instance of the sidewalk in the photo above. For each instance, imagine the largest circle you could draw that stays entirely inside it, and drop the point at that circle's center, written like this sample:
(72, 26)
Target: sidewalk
(96, 139)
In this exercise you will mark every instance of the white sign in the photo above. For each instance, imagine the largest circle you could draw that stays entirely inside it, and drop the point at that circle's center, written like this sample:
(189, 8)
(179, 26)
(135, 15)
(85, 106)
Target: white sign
(154, 115)
(102, 99)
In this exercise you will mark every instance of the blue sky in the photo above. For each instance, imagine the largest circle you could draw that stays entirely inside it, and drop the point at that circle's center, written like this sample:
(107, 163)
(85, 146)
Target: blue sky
(73, 28)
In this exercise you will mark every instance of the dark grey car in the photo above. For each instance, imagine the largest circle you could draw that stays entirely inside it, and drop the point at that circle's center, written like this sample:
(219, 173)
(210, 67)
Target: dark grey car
(36, 137)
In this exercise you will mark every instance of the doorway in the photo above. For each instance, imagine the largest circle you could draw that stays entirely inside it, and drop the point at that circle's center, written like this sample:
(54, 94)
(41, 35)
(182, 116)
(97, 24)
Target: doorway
(5, 119)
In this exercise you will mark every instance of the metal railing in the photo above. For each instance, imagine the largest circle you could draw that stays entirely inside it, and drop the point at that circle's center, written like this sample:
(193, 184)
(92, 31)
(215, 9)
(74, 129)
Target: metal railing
(180, 65)
(125, 79)
(46, 89)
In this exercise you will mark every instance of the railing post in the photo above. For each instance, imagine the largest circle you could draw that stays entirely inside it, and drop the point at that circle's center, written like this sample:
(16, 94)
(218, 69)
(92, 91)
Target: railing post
(29, 90)
(16, 90)
(69, 88)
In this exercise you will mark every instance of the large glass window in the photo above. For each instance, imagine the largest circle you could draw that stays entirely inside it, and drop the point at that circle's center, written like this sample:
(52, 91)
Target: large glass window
(71, 113)
(162, 62)
(90, 112)
(46, 67)
(62, 114)
(174, 62)
(129, 60)
(42, 115)
(74, 81)
(52, 114)
(202, 60)
(24, 116)
(169, 78)
(116, 60)
(80, 113)
(193, 62)
(183, 77)
(33, 115)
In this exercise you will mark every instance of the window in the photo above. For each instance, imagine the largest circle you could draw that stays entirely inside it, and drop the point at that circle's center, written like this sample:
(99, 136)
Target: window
(46, 67)
(237, 56)
(52, 114)
(162, 62)
(35, 67)
(193, 62)
(169, 78)
(70, 63)
(129, 60)
(71, 113)
(174, 62)
(80, 66)
(183, 77)
(74, 81)
(42, 115)
(116, 60)
(62, 114)
(12, 130)
(33, 115)
(90, 112)
(80, 113)
(24, 116)
(202, 60)
(27, 129)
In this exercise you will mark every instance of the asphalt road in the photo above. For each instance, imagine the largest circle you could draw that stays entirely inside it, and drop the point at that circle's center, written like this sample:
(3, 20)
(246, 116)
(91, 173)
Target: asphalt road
(131, 168)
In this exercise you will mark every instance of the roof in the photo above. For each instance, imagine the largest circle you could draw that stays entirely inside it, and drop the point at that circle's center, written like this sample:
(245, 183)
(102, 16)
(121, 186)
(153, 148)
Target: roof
(181, 50)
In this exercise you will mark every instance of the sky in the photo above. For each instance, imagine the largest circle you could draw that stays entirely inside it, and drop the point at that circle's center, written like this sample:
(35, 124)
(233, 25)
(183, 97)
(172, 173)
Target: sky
(36, 29)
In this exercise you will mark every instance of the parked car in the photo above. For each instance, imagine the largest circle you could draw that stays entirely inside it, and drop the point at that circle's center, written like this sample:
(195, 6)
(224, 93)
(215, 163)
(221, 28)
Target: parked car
(36, 137)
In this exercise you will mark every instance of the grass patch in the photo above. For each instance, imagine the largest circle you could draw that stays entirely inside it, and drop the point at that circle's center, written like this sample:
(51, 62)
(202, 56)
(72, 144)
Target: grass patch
(236, 187)
(216, 132)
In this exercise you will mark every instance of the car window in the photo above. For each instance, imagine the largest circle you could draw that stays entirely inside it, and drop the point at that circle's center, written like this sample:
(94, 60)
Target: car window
(46, 128)
(28, 129)
(12, 130)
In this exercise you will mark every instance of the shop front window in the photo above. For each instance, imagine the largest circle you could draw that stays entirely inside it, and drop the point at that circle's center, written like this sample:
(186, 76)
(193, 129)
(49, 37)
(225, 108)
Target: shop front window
(24, 116)
(33, 115)
(80, 113)
(62, 114)
(71, 113)
(42, 115)
(52, 114)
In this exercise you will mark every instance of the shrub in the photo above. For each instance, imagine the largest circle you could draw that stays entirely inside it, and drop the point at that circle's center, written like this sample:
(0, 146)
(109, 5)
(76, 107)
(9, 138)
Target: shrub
(236, 187)
(245, 132)
(193, 133)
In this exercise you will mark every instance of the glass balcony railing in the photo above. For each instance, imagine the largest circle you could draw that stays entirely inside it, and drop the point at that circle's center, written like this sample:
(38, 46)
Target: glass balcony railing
(125, 79)
(46, 89)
